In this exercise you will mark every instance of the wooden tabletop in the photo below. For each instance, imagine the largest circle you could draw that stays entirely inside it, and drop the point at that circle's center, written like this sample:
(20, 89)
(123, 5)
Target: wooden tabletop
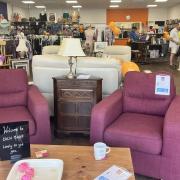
(79, 163)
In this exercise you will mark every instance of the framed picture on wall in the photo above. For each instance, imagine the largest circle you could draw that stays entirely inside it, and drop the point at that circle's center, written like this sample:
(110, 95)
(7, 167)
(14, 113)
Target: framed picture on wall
(52, 17)
(100, 46)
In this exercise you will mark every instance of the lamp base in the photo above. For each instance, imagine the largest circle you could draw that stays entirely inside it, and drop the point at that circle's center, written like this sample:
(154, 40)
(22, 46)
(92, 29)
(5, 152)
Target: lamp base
(70, 75)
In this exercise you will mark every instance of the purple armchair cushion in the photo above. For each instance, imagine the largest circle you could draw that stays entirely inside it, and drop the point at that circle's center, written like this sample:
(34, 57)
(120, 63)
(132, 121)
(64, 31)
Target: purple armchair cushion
(15, 114)
(139, 132)
(13, 87)
(139, 94)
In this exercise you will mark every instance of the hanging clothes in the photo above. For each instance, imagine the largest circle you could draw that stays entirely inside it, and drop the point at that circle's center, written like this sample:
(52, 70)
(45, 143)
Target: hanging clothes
(4, 27)
(43, 16)
(30, 50)
(109, 37)
(89, 43)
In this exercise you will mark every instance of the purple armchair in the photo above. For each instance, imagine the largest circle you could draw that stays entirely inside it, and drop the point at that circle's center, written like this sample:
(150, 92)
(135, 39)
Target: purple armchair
(21, 102)
(148, 124)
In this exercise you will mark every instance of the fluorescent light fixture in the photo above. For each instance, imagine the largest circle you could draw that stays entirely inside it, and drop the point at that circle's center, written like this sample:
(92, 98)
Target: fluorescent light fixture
(161, 0)
(114, 6)
(40, 7)
(116, 1)
(78, 6)
(71, 2)
(152, 5)
(28, 2)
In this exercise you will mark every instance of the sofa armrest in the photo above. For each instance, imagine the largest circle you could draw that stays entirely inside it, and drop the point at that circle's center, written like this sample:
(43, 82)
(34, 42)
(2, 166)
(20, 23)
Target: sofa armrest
(103, 114)
(38, 107)
(171, 131)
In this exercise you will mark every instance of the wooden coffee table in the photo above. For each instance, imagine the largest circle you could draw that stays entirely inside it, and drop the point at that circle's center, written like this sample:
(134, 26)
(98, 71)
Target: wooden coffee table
(79, 163)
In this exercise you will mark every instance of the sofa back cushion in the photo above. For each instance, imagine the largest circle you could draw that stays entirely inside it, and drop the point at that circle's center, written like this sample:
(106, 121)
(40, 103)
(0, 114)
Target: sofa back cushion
(139, 94)
(53, 49)
(118, 51)
(13, 87)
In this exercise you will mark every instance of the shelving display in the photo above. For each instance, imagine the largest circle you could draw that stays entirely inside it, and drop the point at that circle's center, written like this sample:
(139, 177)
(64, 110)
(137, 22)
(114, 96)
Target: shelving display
(170, 23)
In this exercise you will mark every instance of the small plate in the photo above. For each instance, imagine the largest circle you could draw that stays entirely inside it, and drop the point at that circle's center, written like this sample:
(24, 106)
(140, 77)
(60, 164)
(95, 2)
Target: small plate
(45, 169)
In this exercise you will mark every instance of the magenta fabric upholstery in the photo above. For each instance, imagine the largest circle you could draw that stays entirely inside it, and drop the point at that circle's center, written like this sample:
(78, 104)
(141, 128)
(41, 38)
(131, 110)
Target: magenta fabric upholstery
(13, 88)
(20, 102)
(104, 113)
(38, 107)
(146, 123)
(138, 131)
(147, 164)
(18, 113)
(139, 94)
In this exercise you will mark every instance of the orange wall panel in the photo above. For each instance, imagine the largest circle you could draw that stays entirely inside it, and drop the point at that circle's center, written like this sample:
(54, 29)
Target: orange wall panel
(119, 15)
(121, 42)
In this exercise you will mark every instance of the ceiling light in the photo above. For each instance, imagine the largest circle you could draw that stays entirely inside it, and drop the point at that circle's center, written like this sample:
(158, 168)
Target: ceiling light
(152, 5)
(28, 2)
(40, 7)
(116, 1)
(114, 6)
(161, 0)
(78, 6)
(71, 2)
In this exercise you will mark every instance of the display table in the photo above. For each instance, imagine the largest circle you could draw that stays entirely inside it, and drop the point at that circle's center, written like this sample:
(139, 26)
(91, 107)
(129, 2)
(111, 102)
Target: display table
(73, 102)
(79, 162)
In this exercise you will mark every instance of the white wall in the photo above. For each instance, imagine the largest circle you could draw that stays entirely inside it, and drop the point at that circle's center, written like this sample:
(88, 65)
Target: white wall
(23, 12)
(34, 12)
(93, 16)
(174, 12)
(87, 15)
(158, 14)
(98, 15)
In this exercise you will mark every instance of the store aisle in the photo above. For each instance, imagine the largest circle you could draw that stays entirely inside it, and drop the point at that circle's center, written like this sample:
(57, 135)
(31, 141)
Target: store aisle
(163, 66)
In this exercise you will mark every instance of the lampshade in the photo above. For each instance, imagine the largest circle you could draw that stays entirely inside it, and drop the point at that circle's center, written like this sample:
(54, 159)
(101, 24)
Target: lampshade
(71, 47)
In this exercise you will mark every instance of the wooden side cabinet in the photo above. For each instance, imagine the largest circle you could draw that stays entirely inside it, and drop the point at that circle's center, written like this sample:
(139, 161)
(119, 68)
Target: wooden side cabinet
(73, 102)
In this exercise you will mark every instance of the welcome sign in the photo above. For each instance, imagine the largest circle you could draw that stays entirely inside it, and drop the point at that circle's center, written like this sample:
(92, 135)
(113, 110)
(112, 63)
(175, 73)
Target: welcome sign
(14, 140)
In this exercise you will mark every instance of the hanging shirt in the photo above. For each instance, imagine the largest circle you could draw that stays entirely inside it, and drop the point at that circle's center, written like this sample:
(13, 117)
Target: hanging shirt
(89, 36)
(175, 38)
(43, 17)
(133, 36)
(4, 27)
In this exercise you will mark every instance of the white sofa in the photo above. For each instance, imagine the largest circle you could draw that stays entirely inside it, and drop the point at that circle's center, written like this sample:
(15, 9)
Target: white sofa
(44, 67)
(53, 49)
(117, 51)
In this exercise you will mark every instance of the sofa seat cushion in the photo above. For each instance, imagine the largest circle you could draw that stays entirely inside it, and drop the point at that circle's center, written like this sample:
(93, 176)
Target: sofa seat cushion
(15, 114)
(139, 132)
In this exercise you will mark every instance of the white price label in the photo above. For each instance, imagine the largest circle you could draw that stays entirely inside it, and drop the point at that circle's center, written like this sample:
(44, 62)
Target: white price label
(162, 86)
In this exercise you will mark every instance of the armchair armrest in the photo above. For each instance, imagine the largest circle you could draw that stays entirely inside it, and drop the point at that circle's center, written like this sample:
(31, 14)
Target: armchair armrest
(103, 114)
(38, 108)
(171, 131)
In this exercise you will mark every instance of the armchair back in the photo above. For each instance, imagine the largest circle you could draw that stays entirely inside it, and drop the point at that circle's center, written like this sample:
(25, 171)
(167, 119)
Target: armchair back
(13, 87)
(139, 94)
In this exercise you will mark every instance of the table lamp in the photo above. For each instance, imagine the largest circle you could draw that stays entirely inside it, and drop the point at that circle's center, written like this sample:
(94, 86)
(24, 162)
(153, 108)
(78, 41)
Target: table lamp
(71, 47)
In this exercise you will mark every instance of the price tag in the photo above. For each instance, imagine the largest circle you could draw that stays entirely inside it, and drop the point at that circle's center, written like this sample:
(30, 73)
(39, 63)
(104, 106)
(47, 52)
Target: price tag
(162, 86)
(14, 140)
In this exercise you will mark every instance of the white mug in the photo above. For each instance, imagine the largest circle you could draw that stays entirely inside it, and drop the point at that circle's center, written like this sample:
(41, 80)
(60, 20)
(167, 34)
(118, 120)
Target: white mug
(100, 150)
